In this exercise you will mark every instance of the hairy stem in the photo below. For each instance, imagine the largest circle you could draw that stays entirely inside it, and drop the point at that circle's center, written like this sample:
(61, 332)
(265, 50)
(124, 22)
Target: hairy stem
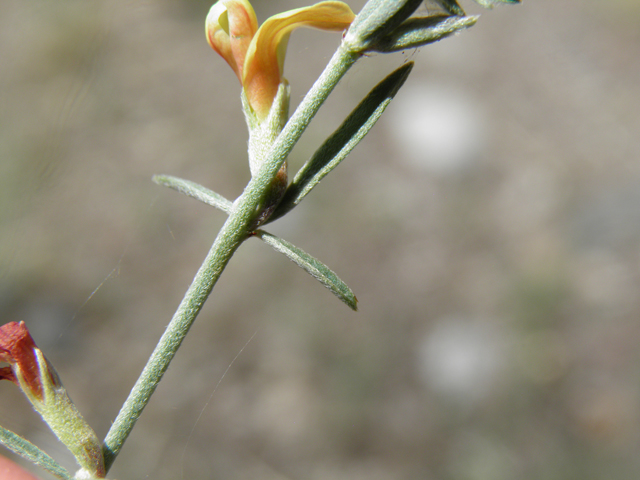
(235, 230)
(233, 233)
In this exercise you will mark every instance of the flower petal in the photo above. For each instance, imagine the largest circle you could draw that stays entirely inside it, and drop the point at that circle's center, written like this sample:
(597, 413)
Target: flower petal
(230, 26)
(217, 31)
(264, 61)
(17, 348)
(7, 374)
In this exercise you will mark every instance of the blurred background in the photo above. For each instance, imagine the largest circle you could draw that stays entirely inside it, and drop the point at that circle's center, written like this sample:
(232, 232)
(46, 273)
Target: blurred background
(489, 225)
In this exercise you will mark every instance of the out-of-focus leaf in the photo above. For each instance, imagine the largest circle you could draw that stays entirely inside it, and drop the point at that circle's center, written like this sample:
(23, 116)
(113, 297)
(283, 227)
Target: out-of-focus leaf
(311, 265)
(28, 450)
(196, 191)
(493, 3)
(449, 6)
(343, 140)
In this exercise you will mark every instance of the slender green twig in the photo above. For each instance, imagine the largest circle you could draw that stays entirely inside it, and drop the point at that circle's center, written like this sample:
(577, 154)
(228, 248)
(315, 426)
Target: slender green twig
(233, 233)
(23, 447)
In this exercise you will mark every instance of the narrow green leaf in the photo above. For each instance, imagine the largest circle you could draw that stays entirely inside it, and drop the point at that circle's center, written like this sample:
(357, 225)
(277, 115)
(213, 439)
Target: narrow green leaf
(417, 32)
(28, 450)
(449, 6)
(195, 190)
(343, 140)
(313, 267)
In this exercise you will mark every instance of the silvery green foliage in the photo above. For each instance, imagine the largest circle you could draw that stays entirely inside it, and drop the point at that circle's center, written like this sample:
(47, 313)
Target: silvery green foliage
(452, 7)
(326, 158)
(27, 450)
(449, 6)
(492, 3)
(343, 140)
(376, 19)
(388, 26)
(420, 31)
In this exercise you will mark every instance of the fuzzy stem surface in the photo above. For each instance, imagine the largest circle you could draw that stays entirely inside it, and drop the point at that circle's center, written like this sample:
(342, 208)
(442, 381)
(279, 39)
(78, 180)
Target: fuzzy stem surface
(236, 229)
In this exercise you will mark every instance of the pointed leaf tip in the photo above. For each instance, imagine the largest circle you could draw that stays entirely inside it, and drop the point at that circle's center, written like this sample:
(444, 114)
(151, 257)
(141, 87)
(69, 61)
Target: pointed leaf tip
(194, 190)
(417, 32)
(312, 266)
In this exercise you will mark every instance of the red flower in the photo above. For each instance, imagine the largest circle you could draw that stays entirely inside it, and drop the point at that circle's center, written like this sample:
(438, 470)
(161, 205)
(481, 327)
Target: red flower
(18, 349)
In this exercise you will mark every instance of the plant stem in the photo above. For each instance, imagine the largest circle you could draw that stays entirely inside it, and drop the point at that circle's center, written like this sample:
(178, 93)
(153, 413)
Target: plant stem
(235, 230)
(232, 234)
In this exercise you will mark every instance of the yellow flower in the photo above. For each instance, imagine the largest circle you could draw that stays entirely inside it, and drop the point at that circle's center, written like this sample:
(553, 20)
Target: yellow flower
(255, 54)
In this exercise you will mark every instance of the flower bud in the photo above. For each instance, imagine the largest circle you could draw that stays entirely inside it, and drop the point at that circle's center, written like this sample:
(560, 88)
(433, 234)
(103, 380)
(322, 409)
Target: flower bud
(36, 377)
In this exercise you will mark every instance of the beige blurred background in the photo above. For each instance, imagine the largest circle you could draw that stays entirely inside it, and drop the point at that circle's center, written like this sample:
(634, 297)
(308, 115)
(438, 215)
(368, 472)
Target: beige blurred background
(489, 224)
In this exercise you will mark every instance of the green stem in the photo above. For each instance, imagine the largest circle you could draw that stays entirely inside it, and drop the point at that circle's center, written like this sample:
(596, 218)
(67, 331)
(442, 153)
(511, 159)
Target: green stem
(233, 233)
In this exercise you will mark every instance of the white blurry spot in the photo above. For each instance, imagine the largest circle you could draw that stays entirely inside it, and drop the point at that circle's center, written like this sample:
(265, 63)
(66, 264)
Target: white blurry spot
(461, 359)
(436, 128)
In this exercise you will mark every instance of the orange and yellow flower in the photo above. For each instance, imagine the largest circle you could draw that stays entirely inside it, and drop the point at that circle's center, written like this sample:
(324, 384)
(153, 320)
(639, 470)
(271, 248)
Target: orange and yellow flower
(255, 54)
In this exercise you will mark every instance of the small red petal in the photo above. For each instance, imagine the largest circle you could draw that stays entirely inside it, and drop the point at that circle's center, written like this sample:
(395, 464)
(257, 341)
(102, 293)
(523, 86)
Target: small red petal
(18, 349)
(7, 374)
